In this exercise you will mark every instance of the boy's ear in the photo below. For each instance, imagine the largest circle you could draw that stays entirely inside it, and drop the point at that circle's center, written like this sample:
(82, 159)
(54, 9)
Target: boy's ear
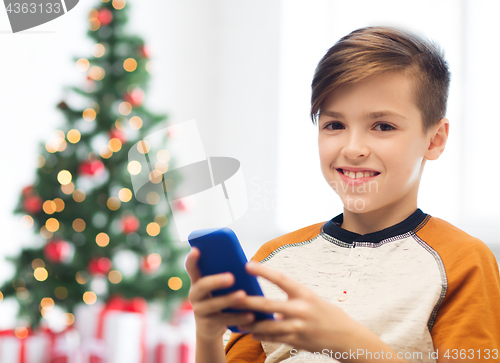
(438, 136)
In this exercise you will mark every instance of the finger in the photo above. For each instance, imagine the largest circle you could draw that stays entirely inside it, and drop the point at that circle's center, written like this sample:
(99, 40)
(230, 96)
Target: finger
(275, 328)
(215, 305)
(192, 264)
(235, 319)
(262, 304)
(202, 288)
(291, 287)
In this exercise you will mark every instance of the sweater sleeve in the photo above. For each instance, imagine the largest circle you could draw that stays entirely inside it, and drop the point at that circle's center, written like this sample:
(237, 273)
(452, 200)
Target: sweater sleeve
(242, 348)
(467, 325)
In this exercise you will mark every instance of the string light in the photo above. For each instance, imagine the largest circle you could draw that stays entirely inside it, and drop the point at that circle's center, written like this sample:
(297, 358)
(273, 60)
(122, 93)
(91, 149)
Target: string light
(143, 147)
(115, 144)
(105, 152)
(89, 114)
(41, 161)
(74, 136)
(125, 108)
(152, 198)
(175, 283)
(64, 177)
(37, 262)
(45, 233)
(94, 24)
(40, 274)
(102, 239)
(96, 73)
(69, 318)
(27, 221)
(79, 225)
(82, 64)
(51, 146)
(125, 195)
(79, 195)
(62, 146)
(115, 276)
(47, 303)
(21, 332)
(135, 123)
(153, 229)
(59, 204)
(155, 176)
(89, 297)
(22, 293)
(49, 207)
(52, 224)
(163, 155)
(113, 203)
(130, 64)
(119, 4)
(161, 166)
(154, 260)
(134, 167)
(68, 188)
(1, 296)
(98, 50)
(81, 277)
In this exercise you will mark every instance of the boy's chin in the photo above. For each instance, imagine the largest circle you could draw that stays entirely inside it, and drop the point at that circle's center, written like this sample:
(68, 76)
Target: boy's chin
(357, 205)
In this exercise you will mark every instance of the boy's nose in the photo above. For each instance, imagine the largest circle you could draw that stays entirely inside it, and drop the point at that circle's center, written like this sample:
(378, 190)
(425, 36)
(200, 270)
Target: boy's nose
(355, 147)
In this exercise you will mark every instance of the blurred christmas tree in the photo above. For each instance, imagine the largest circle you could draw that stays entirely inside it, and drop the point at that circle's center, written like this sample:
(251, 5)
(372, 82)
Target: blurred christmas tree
(96, 239)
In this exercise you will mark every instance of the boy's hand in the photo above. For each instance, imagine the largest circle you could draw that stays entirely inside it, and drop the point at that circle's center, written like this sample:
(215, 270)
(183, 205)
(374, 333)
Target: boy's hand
(304, 321)
(211, 323)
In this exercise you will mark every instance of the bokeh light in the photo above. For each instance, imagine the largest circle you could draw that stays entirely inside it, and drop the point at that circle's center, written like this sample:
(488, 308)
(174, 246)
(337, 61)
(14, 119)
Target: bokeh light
(175, 283)
(64, 177)
(102, 239)
(52, 224)
(40, 274)
(89, 297)
(115, 276)
(79, 225)
(153, 229)
(125, 195)
(74, 136)
(130, 64)
(134, 167)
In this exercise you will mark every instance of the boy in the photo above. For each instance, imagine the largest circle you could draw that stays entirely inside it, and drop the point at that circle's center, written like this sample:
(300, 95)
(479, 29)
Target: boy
(383, 281)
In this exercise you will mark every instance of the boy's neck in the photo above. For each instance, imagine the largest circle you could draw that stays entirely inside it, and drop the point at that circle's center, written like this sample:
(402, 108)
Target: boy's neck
(364, 223)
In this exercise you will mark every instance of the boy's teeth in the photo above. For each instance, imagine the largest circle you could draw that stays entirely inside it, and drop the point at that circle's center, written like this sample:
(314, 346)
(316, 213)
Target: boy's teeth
(359, 174)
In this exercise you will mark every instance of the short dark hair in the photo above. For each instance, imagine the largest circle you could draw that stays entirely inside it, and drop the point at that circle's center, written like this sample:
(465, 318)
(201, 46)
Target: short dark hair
(371, 51)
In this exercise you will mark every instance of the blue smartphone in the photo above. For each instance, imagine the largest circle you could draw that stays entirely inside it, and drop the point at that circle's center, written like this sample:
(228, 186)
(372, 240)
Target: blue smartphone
(220, 251)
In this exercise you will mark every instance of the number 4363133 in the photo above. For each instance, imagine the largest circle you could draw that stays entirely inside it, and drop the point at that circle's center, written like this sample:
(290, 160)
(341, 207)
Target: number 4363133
(33, 8)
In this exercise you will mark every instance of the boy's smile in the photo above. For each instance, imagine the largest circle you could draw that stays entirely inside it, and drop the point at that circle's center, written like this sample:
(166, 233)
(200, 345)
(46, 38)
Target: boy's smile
(372, 147)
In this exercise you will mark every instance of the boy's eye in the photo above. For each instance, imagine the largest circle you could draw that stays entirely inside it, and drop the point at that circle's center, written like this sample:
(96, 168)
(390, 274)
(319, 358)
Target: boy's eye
(384, 127)
(334, 126)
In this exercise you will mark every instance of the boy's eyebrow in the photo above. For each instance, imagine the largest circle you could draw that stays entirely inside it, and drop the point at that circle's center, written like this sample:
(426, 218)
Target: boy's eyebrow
(370, 115)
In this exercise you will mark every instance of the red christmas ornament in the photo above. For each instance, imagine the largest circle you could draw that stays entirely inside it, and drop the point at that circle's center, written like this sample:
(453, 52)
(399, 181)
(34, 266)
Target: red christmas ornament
(117, 134)
(28, 190)
(57, 251)
(105, 16)
(150, 263)
(143, 51)
(130, 224)
(99, 266)
(32, 204)
(135, 97)
(91, 167)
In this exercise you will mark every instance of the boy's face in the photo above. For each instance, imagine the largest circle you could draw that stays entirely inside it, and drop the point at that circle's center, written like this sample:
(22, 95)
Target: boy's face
(372, 145)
